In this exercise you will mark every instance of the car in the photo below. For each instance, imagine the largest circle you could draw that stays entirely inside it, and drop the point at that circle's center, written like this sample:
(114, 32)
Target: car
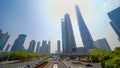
(28, 66)
(89, 65)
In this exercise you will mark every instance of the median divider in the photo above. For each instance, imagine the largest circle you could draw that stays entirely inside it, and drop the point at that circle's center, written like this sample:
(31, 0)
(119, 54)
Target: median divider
(49, 65)
(42, 65)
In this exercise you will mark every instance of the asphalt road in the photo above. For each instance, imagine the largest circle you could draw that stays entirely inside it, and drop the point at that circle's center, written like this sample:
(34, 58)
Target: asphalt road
(95, 65)
(17, 65)
(54, 64)
(61, 65)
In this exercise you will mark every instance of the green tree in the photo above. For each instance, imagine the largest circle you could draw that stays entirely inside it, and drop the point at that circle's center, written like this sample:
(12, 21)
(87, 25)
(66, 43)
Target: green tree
(96, 53)
(111, 59)
(116, 51)
(62, 56)
(113, 63)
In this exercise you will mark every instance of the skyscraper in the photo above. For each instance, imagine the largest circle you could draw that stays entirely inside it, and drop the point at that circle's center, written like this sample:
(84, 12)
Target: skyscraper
(114, 15)
(58, 47)
(48, 47)
(64, 47)
(102, 43)
(45, 48)
(85, 34)
(0, 31)
(3, 40)
(19, 42)
(7, 48)
(117, 31)
(38, 47)
(32, 46)
(68, 40)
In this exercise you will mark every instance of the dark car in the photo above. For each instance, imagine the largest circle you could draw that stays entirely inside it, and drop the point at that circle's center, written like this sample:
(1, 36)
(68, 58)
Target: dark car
(89, 65)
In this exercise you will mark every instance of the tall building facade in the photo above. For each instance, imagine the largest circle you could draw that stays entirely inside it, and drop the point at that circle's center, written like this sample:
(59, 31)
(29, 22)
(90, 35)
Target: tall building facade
(68, 40)
(38, 47)
(7, 48)
(84, 32)
(0, 31)
(114, 15)
(48, 47)
(58, 47)
(64, 47)
(19, 42)
(102, 43)
(117, 31)
(32, 46)
(3, 39)
(45, 48)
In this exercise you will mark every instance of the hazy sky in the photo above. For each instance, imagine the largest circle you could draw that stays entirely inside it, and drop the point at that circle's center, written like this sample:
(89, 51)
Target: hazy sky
(41, 19)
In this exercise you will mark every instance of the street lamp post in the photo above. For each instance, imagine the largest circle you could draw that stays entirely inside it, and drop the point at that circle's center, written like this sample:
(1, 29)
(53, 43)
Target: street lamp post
(8, 56)
(90, 59)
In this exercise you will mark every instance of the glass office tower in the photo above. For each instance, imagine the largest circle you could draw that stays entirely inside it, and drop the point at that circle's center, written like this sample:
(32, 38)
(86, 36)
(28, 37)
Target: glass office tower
(102, 43)
(19, 42)
(3, 40)
(68, 40)
(114, 15)
(84, 32)
(32, 46)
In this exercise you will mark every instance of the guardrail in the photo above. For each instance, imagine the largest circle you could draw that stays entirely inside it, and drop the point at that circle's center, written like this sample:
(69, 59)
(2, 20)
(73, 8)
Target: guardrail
(17, 65)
